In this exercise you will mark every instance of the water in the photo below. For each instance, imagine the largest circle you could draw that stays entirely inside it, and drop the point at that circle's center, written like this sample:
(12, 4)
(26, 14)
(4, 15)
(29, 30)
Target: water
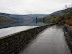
(12, 30)
(19, 26)
(25, 23)
(50, 41)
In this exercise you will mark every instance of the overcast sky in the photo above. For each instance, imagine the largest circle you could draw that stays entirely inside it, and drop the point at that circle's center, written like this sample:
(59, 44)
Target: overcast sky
(32, 6)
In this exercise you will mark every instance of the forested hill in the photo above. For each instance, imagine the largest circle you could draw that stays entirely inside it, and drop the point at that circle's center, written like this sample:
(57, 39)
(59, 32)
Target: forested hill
(58, 17)
(5, 20)
(59, 13)
(24, 17)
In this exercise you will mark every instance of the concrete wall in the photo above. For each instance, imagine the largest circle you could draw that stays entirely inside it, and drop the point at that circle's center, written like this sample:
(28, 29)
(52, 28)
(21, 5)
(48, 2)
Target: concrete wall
(14, 43)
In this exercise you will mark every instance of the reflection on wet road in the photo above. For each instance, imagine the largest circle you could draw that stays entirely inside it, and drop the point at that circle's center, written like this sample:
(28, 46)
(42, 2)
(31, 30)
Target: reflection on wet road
(50, 41)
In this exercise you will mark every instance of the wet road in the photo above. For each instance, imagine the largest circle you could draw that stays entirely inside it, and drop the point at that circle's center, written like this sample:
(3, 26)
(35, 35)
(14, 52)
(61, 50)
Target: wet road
(50, 41)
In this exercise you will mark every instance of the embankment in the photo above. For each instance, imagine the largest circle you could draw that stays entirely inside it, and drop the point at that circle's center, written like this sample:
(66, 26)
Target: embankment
(68, 35)
(12, 44)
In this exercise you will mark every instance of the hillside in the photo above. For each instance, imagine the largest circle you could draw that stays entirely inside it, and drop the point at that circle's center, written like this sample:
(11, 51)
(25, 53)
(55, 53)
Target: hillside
(59, 13)
(24, 17)
(55, 14)
(5, 20)
(21, 20)
(62, 17)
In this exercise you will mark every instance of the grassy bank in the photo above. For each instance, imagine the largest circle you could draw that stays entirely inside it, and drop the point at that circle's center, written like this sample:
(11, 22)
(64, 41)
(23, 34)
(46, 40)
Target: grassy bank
(14, 43)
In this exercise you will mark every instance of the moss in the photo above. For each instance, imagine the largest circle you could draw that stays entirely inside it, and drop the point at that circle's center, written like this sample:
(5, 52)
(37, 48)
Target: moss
(6, 43)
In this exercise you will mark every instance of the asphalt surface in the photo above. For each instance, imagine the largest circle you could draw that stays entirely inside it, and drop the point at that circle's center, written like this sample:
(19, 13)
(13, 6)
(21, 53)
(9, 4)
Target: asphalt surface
(50, 41)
